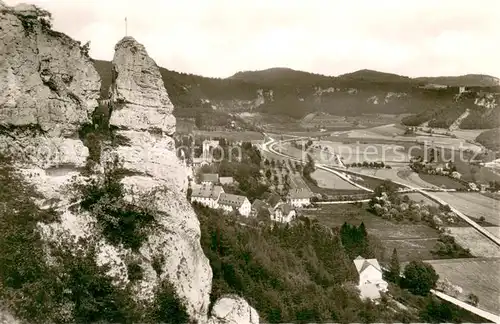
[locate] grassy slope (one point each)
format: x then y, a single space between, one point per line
490 139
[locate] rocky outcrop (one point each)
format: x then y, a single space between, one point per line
45 79
232 309
48 91
263 96
142 112
139 96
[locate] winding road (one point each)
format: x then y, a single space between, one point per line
270 143
268 146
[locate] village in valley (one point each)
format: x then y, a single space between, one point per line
406 199
218 192
133 190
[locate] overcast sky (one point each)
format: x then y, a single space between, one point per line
220 37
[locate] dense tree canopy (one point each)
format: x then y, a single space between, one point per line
420 277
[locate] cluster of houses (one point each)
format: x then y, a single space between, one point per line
210 193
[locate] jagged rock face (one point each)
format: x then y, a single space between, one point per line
47 82
141 101
142 110
45 79
232 309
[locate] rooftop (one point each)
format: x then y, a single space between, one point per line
300 194
286 208
231 200
207 192
259 204
224 180
210 177
273 199
362 263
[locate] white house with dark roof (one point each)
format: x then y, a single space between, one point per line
230 202
209 179
371 282
299 197
207 195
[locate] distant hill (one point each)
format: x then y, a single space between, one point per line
280 76
375 76
470 80
292 93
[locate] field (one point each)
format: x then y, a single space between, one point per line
395 133
441 181
476 173
412 178
367 182
384 131
403 175
324 120
479 245
477 276
298 182
329 180
412 241
232 136
421 199
361 151
473 204
467 134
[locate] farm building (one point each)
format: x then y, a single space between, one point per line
299 197
209 178
230 202
370 278
207 195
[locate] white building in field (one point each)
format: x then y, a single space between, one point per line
299 197
230 202
371 282
207 195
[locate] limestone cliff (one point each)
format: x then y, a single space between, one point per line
46 77
139 96
48 91
142 112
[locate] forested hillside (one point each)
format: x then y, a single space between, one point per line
291 93
275 267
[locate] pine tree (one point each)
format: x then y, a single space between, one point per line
394 267
362 230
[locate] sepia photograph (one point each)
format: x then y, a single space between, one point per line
251 161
